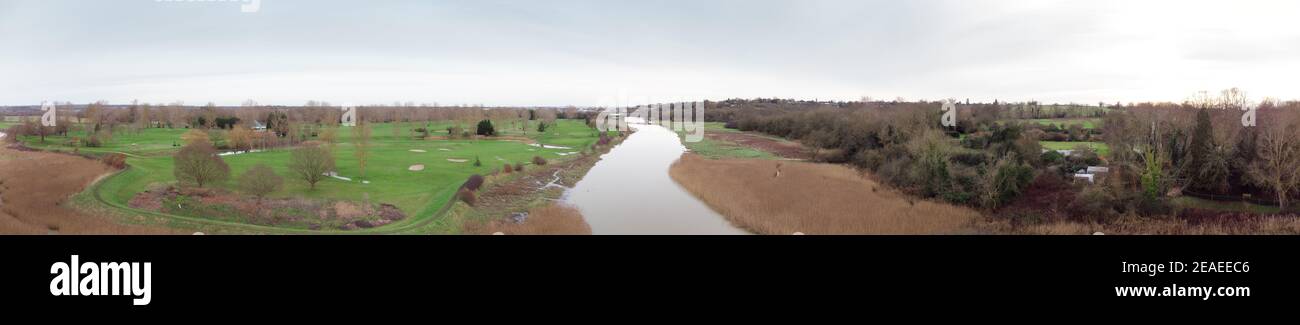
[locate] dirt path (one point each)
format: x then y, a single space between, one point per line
34 187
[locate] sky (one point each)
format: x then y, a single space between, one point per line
558 52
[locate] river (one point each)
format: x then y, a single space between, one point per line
629 191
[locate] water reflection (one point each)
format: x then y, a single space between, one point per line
629 191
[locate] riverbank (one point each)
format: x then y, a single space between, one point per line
529 203
630 192
785 197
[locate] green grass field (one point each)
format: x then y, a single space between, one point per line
716 149
1086 123
1101 148
418 194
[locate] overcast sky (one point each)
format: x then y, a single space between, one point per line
586 52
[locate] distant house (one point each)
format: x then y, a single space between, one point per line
1091 173
258 126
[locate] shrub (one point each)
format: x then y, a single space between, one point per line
1153 206
970 157
467 196
541 127
260 181
93 142
538 160
507 169
1052 157
869 159
1094 203
485 128
473 183
477 162
1011 180
115 160
519 167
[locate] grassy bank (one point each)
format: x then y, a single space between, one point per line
508 194
720 142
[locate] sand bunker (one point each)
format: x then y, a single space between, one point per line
416 168
459 161
548 147
444 149
417 150
232 153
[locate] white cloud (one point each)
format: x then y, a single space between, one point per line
577 52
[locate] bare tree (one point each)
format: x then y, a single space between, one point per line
361 140
1279 156
241 138
311 160
199 163
260 181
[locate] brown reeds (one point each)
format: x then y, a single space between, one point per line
547 220
785 197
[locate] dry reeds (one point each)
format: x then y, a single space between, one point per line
1272 225
811 198
547 220
34 186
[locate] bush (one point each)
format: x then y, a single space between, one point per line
538 160
115 160
970 158
485 128
1011 181
519 167
260 181
473 183
1095 203
467 196
507 169
1052 157
1149 206
93 142
477 162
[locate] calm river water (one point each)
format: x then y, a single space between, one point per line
629 191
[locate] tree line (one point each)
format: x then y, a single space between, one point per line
993 161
